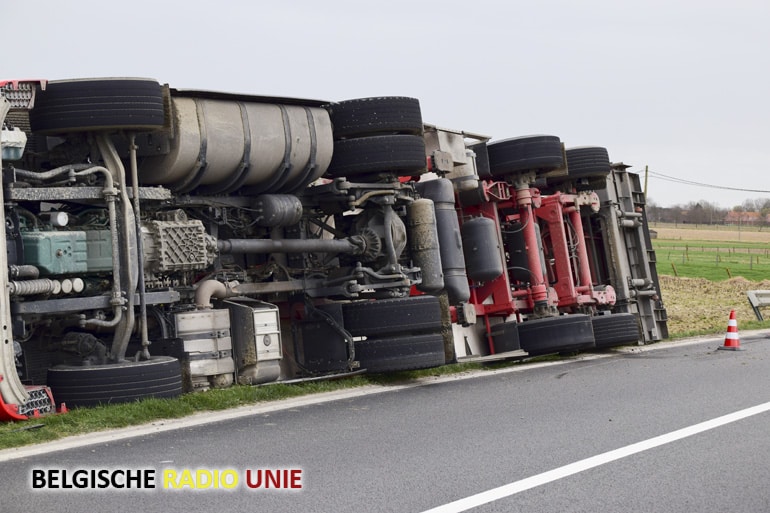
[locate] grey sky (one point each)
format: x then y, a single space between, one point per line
679 85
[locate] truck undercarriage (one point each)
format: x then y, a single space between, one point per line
161 241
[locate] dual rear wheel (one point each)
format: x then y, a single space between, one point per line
401 334
374 136
567 333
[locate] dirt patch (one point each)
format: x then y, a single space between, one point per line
697 303
723 233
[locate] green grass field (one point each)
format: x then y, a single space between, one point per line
705 272
713 260
715 253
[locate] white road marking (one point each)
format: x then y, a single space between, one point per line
594 461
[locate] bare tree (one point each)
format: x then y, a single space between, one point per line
704 212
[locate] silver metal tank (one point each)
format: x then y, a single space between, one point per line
224 145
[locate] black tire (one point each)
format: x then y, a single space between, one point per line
587 168
400 154
616 329
98 104
562 334
505 337
539 153
375 116
161 376
401 353
384 317
588 162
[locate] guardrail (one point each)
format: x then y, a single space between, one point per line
758 299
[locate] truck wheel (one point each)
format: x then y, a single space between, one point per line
376 116
402 154
386 317
98 104
160 376
588 167
548 335
539 153
615 330
402 353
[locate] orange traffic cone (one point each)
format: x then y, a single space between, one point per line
732 341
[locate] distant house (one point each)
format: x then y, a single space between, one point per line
744 218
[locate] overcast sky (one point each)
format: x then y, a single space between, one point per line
681 86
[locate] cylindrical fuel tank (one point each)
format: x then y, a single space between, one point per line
481 248
441 192
424 245
225 145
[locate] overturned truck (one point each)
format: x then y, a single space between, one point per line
161 241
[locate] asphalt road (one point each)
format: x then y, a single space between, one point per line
426 446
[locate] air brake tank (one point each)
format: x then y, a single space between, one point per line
424 244
441 192
482 249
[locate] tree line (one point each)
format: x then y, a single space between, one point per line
751 211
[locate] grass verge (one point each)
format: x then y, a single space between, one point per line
87 420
